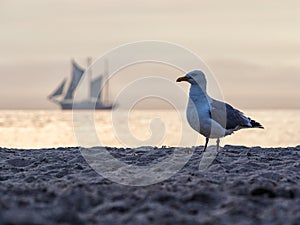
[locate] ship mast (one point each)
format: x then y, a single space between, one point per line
106 101
89 62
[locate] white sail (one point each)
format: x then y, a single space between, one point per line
76 77
59 90
95 88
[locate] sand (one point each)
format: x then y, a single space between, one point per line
242 186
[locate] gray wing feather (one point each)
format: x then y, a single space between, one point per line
227 116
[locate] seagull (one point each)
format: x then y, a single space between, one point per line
209 117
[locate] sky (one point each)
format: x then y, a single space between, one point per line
253 47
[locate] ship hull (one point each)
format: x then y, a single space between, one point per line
87 105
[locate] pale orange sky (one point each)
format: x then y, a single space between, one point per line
253 47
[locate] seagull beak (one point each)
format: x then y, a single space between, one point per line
182 79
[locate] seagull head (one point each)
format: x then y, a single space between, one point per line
195 77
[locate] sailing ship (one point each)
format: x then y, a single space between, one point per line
63 95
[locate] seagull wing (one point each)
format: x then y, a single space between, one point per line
227 116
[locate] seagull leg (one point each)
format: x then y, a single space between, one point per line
218 144
206 142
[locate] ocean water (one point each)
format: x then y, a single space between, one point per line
54 128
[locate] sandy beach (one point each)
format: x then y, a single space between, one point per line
242 186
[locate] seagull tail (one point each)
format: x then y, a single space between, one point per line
255 124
